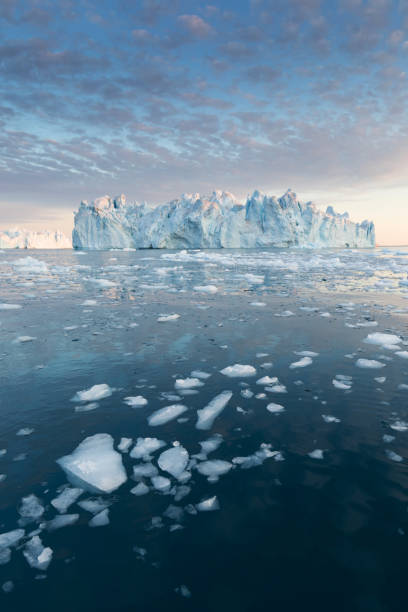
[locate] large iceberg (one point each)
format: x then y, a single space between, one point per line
26 239
216 221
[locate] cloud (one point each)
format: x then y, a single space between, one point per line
195 25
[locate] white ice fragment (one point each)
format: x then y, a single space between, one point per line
140 489
266 380
174 461
145 446
95 465
239 371
380 379
37 556
97 392
11 538
101 519
164 415
136 401
187 383
316 454
161 483
214 468
170 317
86 407
328 418
279 388
125 444
208 505
302 363
8 586
200 374
24 431
207 415
94 505
183 590
340 385
103 283
389 340
306 353
144 470
211 289
402 354
23 339
10 306
399 426
31 509
393 456
370 364
257 458
275 408
66 498
62 520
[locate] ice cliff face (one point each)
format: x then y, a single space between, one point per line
217 221
26 239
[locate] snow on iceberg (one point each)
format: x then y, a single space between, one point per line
26 239
215 221
95 465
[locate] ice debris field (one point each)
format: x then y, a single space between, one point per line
144 392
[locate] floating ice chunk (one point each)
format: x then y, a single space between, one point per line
87 407
306 353
170 317
101 519
37 556
103 283
10 306
174 461
384 340
125 444
140 489
316 454
326 315
257 458
174 513
8 586
89 303
24 431
258 304
208 446
393 456
66 498
200 374
5 555
23 339
380 379
188 383
239 371
94 505
164 415
214 468
403 354
275 408
388 439
211 289
183 590
11 538
276 389
328 418
145 446
285 313
97 392
371 364
207 415
399 426
62 520
95 465
266 380
302 363
136 401
247 393
181 492
144 470
340 384
208 505
161 483
31 510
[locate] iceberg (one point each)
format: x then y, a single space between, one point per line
26 239
215 221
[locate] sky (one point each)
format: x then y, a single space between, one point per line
154 98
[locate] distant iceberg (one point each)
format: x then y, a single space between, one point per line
26 239
216 221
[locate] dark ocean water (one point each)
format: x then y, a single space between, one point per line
294 533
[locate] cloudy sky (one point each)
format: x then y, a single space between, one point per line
154 98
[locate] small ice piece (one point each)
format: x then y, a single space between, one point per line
10 306
100 520
97 392
200 374
276 389
24 431
340 385
140 489
62 520
328 418
380 379
94 465
31 510
239 371
87 407
316 454
369 364
136 401
388 439
23 339
399 426
37 556
181 492
214 468
393 456
208 505
266 380
211 289
11 538
170 317
164 415
384 340
209 446
66 498
174 460
275 408
3 477
402 354
145 446
125 444
207 415
183 590
94 505
306 353
5 555
302 363
8 586
144 470
188 383
175 513
258 304
257 458
247 393
285 313
89 303
161 483
103 283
